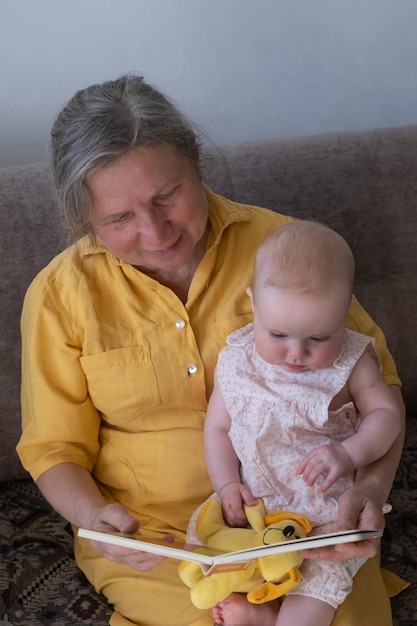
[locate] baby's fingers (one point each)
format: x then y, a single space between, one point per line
312 472
328 481
309 460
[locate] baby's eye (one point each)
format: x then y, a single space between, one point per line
319 339
277 335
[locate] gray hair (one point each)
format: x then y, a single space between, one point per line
102 123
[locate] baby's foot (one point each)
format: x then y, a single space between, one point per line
236 610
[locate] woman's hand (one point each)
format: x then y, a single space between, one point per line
114 517
358 508
73 493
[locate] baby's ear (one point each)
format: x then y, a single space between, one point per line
250 294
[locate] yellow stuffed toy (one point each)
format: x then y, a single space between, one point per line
265 578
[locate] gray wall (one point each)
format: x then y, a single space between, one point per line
242 69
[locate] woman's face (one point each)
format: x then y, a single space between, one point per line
149 209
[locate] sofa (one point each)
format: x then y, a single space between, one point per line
362 184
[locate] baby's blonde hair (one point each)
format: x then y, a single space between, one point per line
304 257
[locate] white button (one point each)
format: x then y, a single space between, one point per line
180 324
191 369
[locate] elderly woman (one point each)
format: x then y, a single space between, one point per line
121 333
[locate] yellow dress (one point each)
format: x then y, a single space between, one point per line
116 375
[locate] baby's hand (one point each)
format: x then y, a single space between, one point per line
233 496
331 461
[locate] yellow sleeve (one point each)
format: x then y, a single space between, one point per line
359 320
59 423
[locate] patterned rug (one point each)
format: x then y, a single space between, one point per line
40 583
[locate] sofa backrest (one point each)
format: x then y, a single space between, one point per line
30 235
362 184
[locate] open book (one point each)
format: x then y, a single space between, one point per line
214 560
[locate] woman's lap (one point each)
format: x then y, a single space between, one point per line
159 597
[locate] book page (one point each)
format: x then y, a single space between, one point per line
208 557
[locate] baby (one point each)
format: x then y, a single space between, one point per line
298 404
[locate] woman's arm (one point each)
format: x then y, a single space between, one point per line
359 320
72 492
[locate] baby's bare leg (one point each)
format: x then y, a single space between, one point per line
305 611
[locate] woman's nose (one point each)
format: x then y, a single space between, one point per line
152 227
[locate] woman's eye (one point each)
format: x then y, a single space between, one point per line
166 196
121 218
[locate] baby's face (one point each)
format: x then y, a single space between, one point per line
299 331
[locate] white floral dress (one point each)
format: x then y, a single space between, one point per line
276 417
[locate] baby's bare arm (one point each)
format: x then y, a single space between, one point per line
381 417
222 462
381 423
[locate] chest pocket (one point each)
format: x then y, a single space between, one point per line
121 383
225 327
